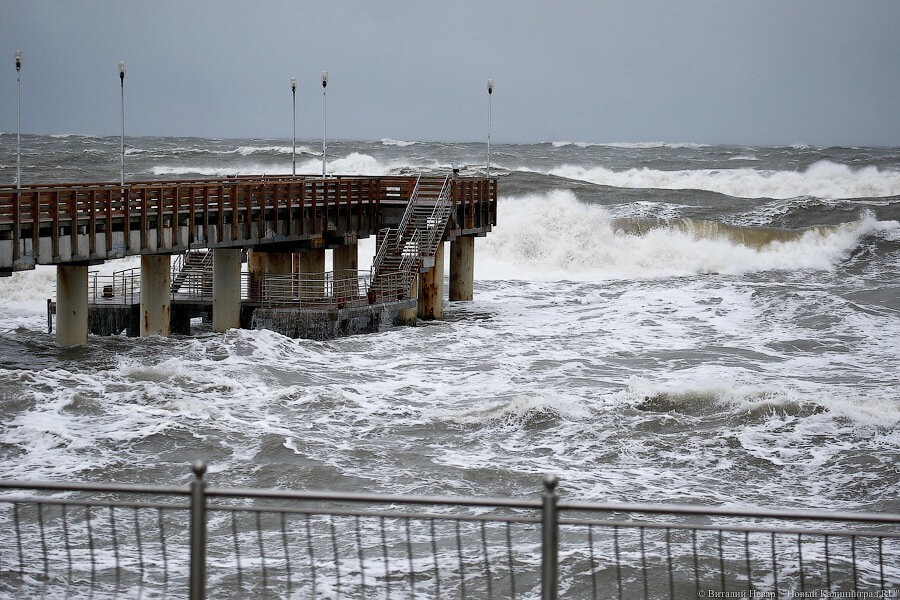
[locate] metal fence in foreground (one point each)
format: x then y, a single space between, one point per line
111 540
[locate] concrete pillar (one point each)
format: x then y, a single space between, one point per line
156 277
408 316
312 273
431 288
226 289
277 263
71 305
462 269
346 270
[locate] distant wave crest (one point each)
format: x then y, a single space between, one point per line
823 179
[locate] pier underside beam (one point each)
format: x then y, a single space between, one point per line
226 289
156 299
431 288
71 305
462 269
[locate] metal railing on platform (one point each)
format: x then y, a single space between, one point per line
332 289
162 541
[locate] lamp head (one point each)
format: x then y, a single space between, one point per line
324 78
121 69
490 86
18 60
293 84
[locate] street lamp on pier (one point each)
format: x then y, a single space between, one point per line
324 126
122 146
294 125
490 86
18 120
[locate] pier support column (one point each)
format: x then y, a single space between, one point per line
71 305
431 288
407 316
276 263
156 299
312 273
346 270
226 289
462 269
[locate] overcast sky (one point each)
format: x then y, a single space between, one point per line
772 72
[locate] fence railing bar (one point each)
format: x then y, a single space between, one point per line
376 514
881 562
160 522
593 564
746 558
43 541
18 537
115 544
64 517
462 568
800 561
644 574
437 574
409 558
262 553
696 563
140 546
618 558
350 498
774 564
384 554
87 518
361 558
669 563
287 554
721 562
717 511
312 558
509 558
487 561
874 533
853 558
337 557
827 565
61 486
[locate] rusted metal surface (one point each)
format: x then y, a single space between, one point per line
81 222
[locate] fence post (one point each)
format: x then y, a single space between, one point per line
549 538
198 532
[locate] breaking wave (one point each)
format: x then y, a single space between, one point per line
823 179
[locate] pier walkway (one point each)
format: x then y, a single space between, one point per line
284 223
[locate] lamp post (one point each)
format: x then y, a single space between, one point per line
122 146
324 127
294 125
18 120
490 85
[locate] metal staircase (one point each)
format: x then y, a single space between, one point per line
192 270
411 247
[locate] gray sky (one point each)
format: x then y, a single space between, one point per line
766 72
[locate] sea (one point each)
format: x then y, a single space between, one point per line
652 322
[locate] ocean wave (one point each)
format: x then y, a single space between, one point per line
553 236
823 179
398 143
630 145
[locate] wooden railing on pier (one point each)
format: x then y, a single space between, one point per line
78 222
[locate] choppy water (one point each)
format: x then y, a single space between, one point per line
652 322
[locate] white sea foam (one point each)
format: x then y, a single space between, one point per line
553 236
354 163
824 179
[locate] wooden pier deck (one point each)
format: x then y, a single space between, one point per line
84 223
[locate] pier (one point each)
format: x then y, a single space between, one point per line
281 226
